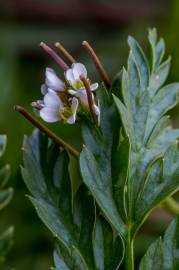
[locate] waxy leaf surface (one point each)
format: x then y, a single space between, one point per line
70 217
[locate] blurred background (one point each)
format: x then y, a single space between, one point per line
106 25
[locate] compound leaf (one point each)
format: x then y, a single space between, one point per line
143 108
70 217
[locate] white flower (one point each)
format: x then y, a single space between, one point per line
73 75
81 94
61 101
54 110
52 81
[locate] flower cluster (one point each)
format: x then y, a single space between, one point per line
64 99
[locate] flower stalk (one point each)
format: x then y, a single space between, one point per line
83 79
54 55
65 52
89 96
98 64
47 131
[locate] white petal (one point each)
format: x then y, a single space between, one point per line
74 105
44 89
52 100
97 112
94 86
81 90
72 92
53 81
49 115
79 70
83 97
72 118
69 76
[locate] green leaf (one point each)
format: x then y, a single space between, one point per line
120 160
116 85
108 250
142 108
4 175
60 258
141 61
5 197
163 254
162 181
101 191
171 246
70 217
159 76
6 242
153 258
157 48
52 197
33 177
97 161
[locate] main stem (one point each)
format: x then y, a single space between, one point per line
129 259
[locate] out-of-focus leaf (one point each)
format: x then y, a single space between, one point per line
6 242
4 175
5 197
6 238
3 141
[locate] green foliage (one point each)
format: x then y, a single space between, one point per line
98 167
143 113
5 197
80 235
147 157
129 165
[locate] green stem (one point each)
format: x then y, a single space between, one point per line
129 260
171 206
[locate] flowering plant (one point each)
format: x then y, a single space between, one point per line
129 162
63 100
